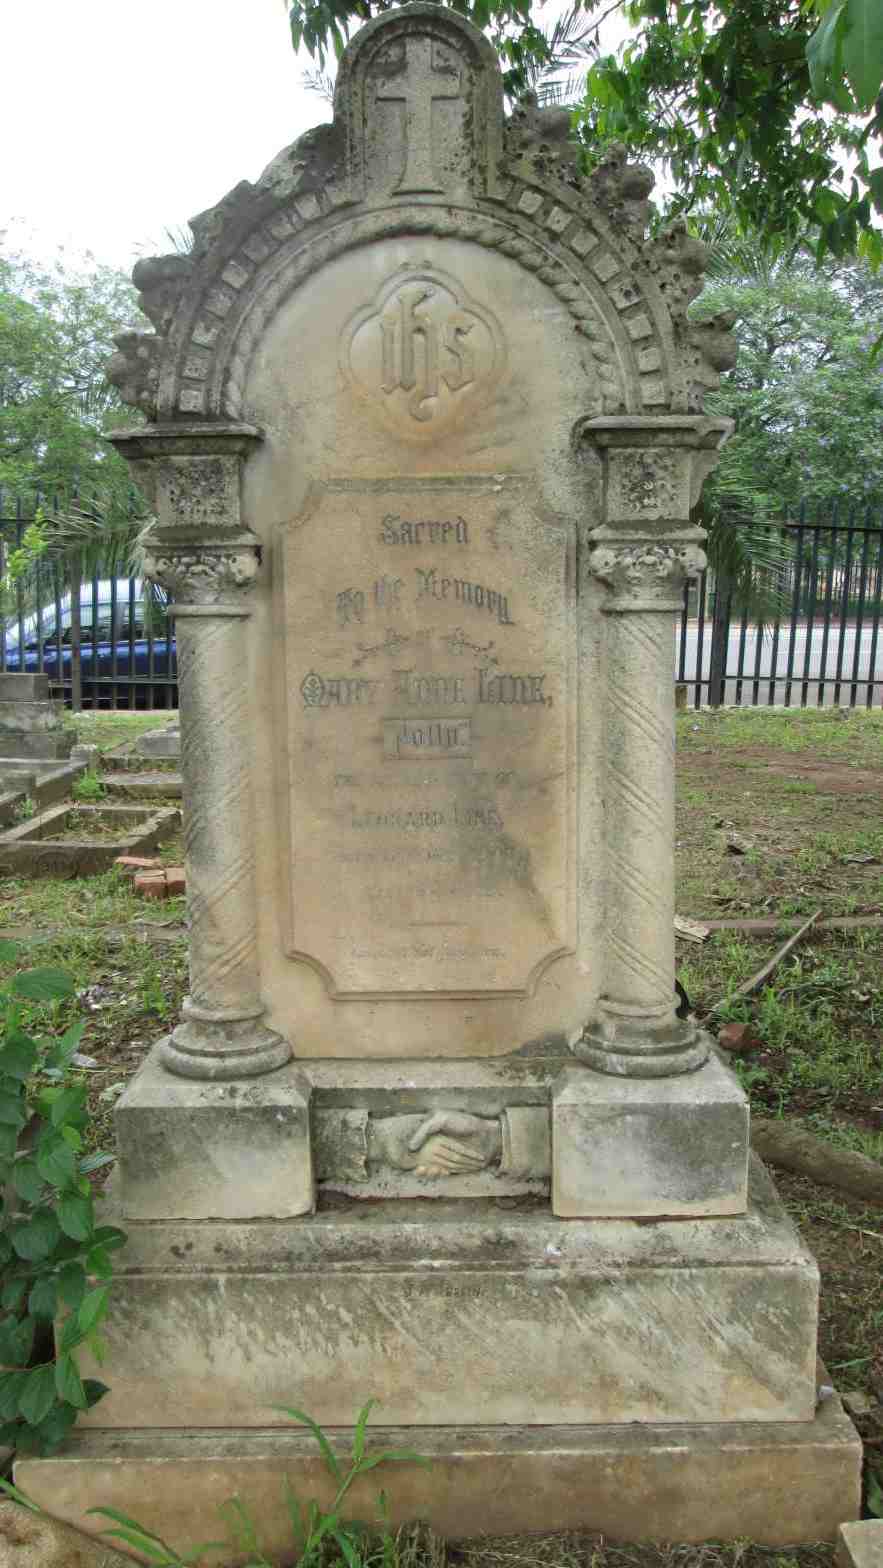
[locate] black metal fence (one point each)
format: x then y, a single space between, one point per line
819 642
104 640
105 643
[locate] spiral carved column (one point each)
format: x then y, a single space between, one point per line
643 552
200 552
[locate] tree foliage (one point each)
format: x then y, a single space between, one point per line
56 336
765 109
806 393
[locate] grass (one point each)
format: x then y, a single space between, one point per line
834 732
801 792
97 727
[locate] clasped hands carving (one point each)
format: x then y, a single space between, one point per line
445 1143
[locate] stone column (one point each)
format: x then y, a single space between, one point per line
610 1141
201 554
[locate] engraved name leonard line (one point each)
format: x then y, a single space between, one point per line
386 594
347 691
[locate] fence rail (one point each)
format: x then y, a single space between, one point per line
822 647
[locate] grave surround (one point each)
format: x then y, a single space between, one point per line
425 432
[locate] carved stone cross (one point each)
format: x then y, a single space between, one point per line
418 88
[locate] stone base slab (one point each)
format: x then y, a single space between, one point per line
649 1146
454 1312
777 1484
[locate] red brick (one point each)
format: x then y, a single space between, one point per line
738 1038
130 864
176 881
151 884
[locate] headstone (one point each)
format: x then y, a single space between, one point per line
31 726
425 435
162 744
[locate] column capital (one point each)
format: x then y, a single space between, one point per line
197 547
646 572
210 575
653 469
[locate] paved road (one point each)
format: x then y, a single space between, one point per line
840 652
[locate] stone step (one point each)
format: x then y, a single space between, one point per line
142 786
780 1484
449 1311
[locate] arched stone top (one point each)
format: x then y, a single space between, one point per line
419 146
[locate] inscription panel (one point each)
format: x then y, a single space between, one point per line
428 673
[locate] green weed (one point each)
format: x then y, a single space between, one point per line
322 1537
88 787
24 809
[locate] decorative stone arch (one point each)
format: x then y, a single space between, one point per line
512 186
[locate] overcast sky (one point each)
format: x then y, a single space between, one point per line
124 117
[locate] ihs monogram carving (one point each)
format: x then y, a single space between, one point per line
422 352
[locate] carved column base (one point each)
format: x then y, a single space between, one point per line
625 1041
217 1045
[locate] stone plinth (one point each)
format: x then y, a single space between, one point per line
191 1149
778 1484
458 1312
650 1146
30 725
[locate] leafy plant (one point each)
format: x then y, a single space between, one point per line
88 787
25 809
56 1262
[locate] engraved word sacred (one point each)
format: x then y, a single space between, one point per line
422 351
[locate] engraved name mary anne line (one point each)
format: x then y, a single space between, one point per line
486 686
422 349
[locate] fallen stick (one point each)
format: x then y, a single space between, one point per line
754 983
786 923
794 1149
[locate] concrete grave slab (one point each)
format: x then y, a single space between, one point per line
31 849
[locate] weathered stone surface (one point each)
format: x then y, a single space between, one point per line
633 1146
143 786
29 1540
777 1484
165 743
195 1150
859 1544
451 1312
31 725
23 688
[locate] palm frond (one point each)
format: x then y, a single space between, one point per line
319 82
571 47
